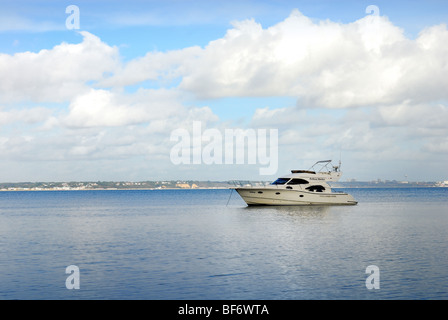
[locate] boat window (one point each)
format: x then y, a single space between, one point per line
298 181
280 181
316 188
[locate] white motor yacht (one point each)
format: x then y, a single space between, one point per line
301 187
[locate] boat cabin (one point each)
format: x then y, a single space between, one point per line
289 182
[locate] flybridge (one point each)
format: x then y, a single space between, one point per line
325 165
321 171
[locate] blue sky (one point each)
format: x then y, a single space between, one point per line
173 24
100 102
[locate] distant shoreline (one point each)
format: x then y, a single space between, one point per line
193 185
209 188
111 189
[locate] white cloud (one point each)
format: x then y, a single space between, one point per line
406 114
323 64
99 108
158 66
103 108
387 93
29 116
394 134
438 147
57 74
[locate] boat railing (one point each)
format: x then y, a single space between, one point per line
325 166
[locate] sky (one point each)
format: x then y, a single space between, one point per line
97 94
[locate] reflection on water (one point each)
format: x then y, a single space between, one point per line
293 211
189 244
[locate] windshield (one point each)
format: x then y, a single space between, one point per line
280 181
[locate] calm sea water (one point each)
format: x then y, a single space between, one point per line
187 244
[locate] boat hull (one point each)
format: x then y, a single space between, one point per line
286 197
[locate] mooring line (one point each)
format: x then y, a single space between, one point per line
229 196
